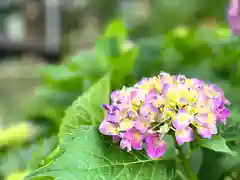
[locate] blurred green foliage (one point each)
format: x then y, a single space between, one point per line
211 54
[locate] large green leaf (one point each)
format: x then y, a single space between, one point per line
216 164
87 108
88 155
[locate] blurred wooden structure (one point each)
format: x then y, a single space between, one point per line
42 25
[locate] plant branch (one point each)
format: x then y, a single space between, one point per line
185 162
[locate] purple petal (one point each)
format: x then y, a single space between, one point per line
165 88
201 119
113 117
204 132
197 83
142 124
182 120
126 124
148 110
108 128
234 16
137 96
155 146
185 135
222 115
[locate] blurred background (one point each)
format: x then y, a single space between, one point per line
51 51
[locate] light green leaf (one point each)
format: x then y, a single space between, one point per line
106 50
88 155
216 143
87 110
57 98
116 28
125 62
86 64
62 78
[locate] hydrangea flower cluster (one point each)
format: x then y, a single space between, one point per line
141 115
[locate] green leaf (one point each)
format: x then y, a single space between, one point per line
55 97
125 62
88 155
116 28
106 50
231 131
196 160
86 64
216 143
87 110
171 148
62 78
216 164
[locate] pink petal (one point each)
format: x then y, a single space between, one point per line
204 132
155 146
135 138
142 124
185 135
182 120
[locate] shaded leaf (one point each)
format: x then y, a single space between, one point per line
231 131
171 148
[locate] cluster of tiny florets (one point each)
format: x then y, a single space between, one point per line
153 107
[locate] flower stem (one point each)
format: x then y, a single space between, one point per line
191 174
185 162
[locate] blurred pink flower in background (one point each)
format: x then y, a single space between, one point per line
234 16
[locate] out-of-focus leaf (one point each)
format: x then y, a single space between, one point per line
26 157
231 131
18 134
117 29
86 64
148 60
125 62
17 175
62 78
215 165
57 98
